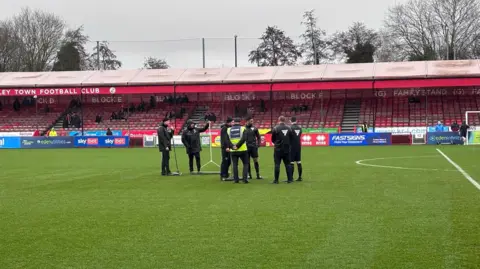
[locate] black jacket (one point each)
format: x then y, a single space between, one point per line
224 140
282 137
191 139
253 136
164 138
297 135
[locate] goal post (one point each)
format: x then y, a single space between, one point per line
472 119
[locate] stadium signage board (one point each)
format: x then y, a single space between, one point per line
10 134
85 91
314 139
444 138
46 142
138 133
9 142
95 133
101 141
398 130
363 139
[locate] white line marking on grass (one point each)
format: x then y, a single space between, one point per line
361 162
465 174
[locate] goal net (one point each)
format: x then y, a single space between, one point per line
472 119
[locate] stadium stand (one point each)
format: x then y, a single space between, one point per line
29 117
334 95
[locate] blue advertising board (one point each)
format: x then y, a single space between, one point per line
360 139
433 129
101 141
9 142
41 142
94 133
444 138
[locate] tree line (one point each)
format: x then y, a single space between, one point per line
35 40
417 30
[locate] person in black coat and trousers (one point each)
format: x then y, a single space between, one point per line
165 135
224 141
191 141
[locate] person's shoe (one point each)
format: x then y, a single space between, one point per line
259 177
289 181
299 179
236 182
249 177
275 182
164 174
246 181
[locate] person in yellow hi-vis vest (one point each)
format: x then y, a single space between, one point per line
52 133
237 137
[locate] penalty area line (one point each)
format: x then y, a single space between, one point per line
460 169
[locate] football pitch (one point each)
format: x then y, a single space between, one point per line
359 207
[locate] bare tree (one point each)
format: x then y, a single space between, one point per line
155 63
38 35
315 45
436 29
10 59
389 50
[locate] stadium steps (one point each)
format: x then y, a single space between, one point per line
198 116
351 115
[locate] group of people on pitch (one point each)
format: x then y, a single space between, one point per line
241 143
238 143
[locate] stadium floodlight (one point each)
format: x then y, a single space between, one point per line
472 118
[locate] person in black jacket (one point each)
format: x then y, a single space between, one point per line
253 143
165 135
296 148
463 132
282 137
191 141
224 143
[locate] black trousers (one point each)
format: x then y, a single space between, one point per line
243 156
280 156
195 155
165 162
225 165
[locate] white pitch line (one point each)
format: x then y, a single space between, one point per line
361 162
465 174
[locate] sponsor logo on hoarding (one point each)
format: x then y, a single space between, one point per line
360 139
444 138
109 141
120 141
10 142
348 138
306 140
321 140
92 141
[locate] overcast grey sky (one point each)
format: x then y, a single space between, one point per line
216 20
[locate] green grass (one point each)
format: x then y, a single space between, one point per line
109 208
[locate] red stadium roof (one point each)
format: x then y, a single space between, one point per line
284 78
